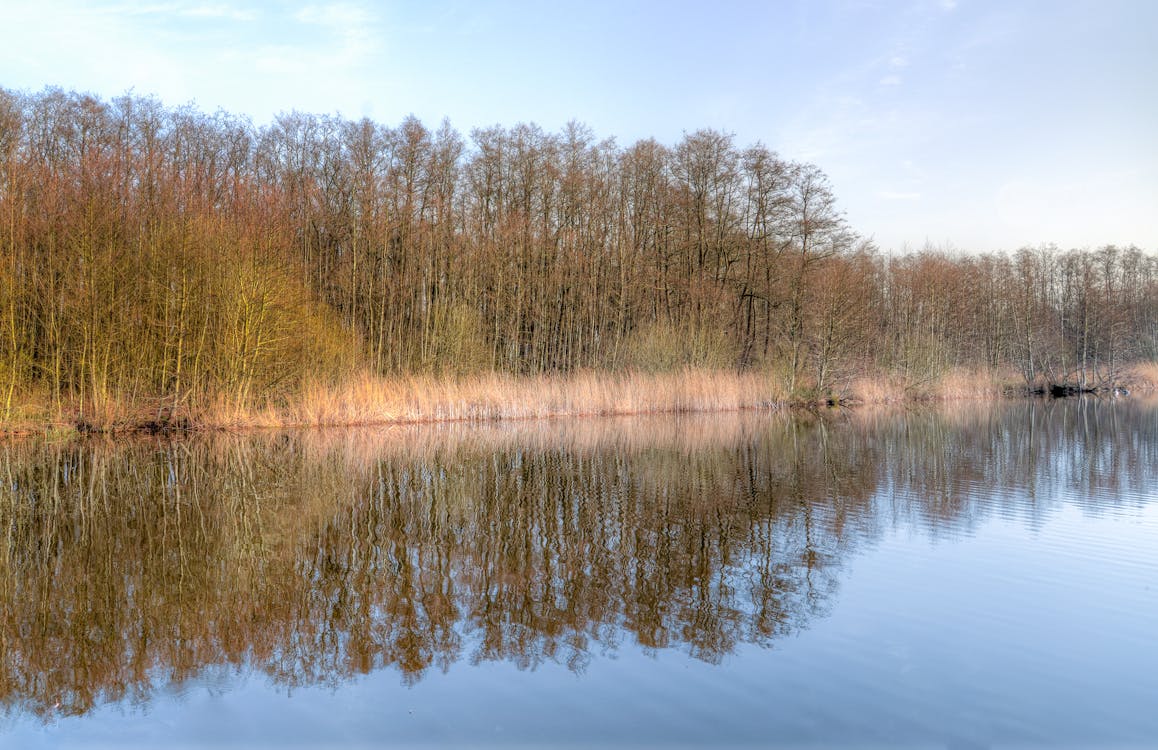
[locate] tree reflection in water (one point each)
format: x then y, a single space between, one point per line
316 556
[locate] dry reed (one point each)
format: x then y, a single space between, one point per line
371 400
1142 376
959 384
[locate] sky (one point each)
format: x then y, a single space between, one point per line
967 125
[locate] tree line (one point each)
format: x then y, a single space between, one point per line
154 252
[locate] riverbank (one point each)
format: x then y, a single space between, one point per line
369 400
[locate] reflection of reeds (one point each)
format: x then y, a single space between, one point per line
629 435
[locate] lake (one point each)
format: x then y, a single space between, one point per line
966 576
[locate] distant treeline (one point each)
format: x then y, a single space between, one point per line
150 252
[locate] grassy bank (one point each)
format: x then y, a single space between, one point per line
369 400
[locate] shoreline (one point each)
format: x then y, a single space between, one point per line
370 401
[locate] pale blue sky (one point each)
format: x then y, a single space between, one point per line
966 123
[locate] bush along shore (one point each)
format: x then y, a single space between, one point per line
163 268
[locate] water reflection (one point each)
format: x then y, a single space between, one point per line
314 557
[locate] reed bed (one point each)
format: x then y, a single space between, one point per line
1142 376
959 384
367 399
371 400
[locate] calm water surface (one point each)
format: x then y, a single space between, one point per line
964 578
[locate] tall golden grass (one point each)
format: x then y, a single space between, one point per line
1142 376
371 400
961 384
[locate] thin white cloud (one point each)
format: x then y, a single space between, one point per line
342 15
218 10
890 80
311 57
132 9
223 11
323 48
350 26
111 47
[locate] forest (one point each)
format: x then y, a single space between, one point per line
167 260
